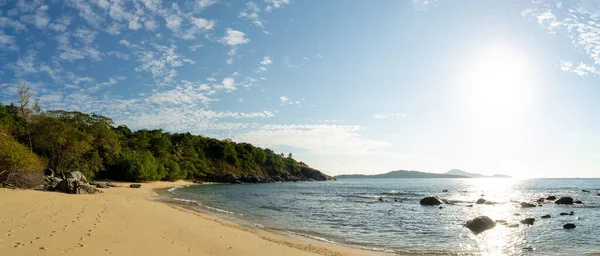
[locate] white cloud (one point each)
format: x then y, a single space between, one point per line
25 64
173 22
61 24
16 25
8 42
211 79
317 139
193 48
234 37
203 24
423 5
284 99
389 115
251 12
229 61
275 4
118 55
229 84
266 61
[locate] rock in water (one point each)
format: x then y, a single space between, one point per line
569 226
541 200
551 198
444 191
528 221
480 224
564 213
578 202
587 191
135 185
87 189
431 201
513 225
546 216
527 205
564 200
480 201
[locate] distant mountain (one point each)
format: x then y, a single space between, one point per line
474 175
400 174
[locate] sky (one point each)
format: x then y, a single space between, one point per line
346 86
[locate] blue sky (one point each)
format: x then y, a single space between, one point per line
346 86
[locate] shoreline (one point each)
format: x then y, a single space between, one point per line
167 196
126 221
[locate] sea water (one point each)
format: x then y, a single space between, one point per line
385 214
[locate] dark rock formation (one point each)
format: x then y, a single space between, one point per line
569 226
480 224
101 185
431 201
77 175
444 191
87 189
528 221
551 198
527 205
541 200
564 200
578 202
546 216
111 185
135 185
480 201
564 214
587 191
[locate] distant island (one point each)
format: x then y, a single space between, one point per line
404 174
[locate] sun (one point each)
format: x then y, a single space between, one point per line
498 81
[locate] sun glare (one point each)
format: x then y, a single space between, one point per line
498 81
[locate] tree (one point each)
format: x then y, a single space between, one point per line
60 142
18 165
25 95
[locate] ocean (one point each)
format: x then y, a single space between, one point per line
385 215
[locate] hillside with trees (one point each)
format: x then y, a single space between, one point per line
65 141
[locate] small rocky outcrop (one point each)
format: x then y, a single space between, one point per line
564 200
541 200
445 191
480 201
564 214
135 185
480 224
569 226
578 202
551 198
586 191
101 185
527 205
547 216
431 201
87 189
72 183
528 221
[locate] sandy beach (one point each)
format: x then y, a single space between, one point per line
127 221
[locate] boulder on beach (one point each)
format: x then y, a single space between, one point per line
527 205
480 224
431 200
546 216
111 185
87 189
564 200
551 198
101 185
480 201
135 185
77 175
569 226
528 221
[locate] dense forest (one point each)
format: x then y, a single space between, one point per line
32 139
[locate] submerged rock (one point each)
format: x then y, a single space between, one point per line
431 201
564 200
578 202
515 225
501 222
444 191
541 200
546 216
587 191
551 198
527 205
564 214
480 201
528 221
569 226
480 224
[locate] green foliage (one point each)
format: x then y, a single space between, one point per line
18 165
90 143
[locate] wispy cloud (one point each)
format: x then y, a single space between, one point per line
389 115
423 5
